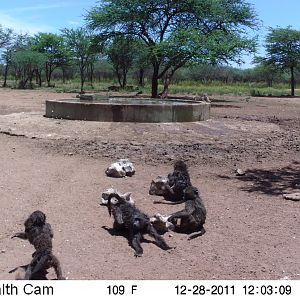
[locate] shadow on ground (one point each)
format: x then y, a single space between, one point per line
271 182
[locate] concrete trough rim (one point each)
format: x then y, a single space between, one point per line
142 112
94 102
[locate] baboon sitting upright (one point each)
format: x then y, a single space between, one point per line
178 181
39 234
193 216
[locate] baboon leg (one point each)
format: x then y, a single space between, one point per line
57 267
136 244
28 272
20 235
158 238
196 234
37 264
178 215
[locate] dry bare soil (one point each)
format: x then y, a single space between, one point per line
57 166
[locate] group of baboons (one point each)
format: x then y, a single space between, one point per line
128 219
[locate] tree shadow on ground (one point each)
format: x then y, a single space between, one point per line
272 182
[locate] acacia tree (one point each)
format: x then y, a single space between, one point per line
5 36
178 32
15 42
25 63
121 54
283 51
82 49
53 47
6 42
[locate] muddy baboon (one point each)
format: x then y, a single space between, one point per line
134 222
172 187
193 216
39 234
178 181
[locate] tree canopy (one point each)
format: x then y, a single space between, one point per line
53 47
81 45
283 51
6 35
178 32
121 54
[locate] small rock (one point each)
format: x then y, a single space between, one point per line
240 172
70 153
293 196
3 251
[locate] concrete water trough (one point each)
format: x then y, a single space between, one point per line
123 109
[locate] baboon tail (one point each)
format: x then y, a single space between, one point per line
15 269
196 234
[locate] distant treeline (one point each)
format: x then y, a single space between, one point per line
103 71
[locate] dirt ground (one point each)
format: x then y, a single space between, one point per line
57 166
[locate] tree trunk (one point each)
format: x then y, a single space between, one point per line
167 80
5 75
154 91
292 82
141 77
81 82
63 75
124 78
91 74
82 78
40 78
119 79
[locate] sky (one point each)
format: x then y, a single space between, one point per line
35 16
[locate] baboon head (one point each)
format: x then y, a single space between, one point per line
191 193
104 197
37 218
158 186
180 166
116 199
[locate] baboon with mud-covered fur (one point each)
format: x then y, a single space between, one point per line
178 181
39 234
193 216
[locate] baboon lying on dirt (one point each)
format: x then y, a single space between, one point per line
134 222
193 216
39 234
172 188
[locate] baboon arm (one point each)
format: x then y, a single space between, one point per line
169 190
183 213
20 235
48 229
118 216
